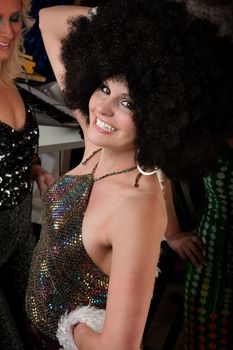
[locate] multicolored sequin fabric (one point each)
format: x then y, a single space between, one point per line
16 151
209 290
62 274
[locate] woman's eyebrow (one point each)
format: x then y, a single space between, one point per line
16 13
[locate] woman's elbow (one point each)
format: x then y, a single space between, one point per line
43 14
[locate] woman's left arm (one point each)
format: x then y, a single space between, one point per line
135 238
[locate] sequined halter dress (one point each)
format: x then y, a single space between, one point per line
62 274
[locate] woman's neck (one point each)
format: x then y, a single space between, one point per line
114 160
6 83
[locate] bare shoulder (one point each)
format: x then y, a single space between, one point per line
141 214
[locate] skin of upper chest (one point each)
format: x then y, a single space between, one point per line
12 107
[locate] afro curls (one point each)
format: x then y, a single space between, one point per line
179 74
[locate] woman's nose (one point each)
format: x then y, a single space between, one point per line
106 108
6 30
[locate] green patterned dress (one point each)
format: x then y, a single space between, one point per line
208 305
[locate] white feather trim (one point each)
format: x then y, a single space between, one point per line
90 315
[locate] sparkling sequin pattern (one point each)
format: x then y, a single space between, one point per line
62 274
16 151
208 299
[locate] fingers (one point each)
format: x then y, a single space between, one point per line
199 250
194 259
49 180
195 252
198 242
44 181
189 247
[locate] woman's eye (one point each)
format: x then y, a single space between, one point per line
105 89
15 18
128 104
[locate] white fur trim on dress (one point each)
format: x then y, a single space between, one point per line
90 315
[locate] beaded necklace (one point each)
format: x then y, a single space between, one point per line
127 170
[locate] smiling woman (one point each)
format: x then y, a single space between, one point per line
19 165
137 74
12 18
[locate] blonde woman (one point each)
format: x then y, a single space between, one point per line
18 166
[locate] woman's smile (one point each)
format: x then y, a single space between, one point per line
105 126
4 45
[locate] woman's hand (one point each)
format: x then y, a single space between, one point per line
188 246
42 177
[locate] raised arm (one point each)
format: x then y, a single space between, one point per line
54 26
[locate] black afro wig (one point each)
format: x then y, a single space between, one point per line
179 73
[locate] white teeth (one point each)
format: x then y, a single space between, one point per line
4 44
104 126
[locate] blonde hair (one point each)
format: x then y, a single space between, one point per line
11 68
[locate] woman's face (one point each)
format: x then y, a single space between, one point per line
111 116
10 26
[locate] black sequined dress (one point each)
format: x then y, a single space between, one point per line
16 152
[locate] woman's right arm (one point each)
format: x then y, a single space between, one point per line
54 27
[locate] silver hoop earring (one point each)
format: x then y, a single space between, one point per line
146 173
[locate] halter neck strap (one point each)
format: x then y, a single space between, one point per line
127 170
91 156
